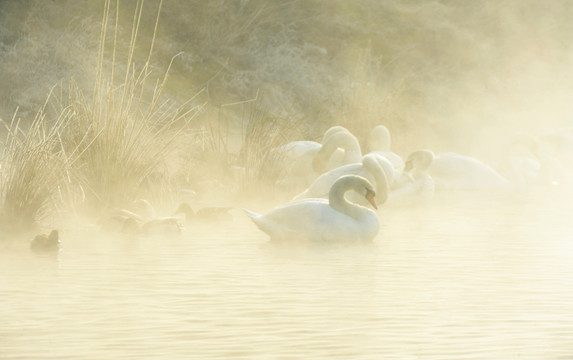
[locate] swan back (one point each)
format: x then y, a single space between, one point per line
452 170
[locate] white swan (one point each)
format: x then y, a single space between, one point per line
456 171
305 148
376 169
300 156
332 220
415 185
379 142
340 139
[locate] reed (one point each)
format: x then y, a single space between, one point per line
124 134
34 166
261 156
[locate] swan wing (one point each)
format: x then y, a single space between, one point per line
315 220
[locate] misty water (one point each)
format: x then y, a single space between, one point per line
475 276
194 95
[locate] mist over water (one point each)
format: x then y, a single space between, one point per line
452 280
469 274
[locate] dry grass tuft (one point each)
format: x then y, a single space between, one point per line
34 167
260 155
124 135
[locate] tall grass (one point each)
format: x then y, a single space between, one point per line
124 134
34 166
262 154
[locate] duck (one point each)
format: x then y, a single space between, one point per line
379 142
144 208
46 243
213 213
377 169
141 210
415 185
142 221
166 226
334 220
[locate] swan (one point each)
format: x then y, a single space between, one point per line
300 156
379 141
332 220
415 185
340 139
456 171
46 243
376 169
306 148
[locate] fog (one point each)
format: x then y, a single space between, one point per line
425 70
124 110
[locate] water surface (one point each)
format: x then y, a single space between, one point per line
480 278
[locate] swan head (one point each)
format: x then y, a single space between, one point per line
419 160
331 131
370 194
379 139
352 182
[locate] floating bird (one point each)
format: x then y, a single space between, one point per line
332 220
213 213
306 160
374 168
415 185
46 243
456 171
167 226
379 142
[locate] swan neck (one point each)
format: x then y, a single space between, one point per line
338 201
341 139
382 186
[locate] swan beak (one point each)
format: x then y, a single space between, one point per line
370 197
